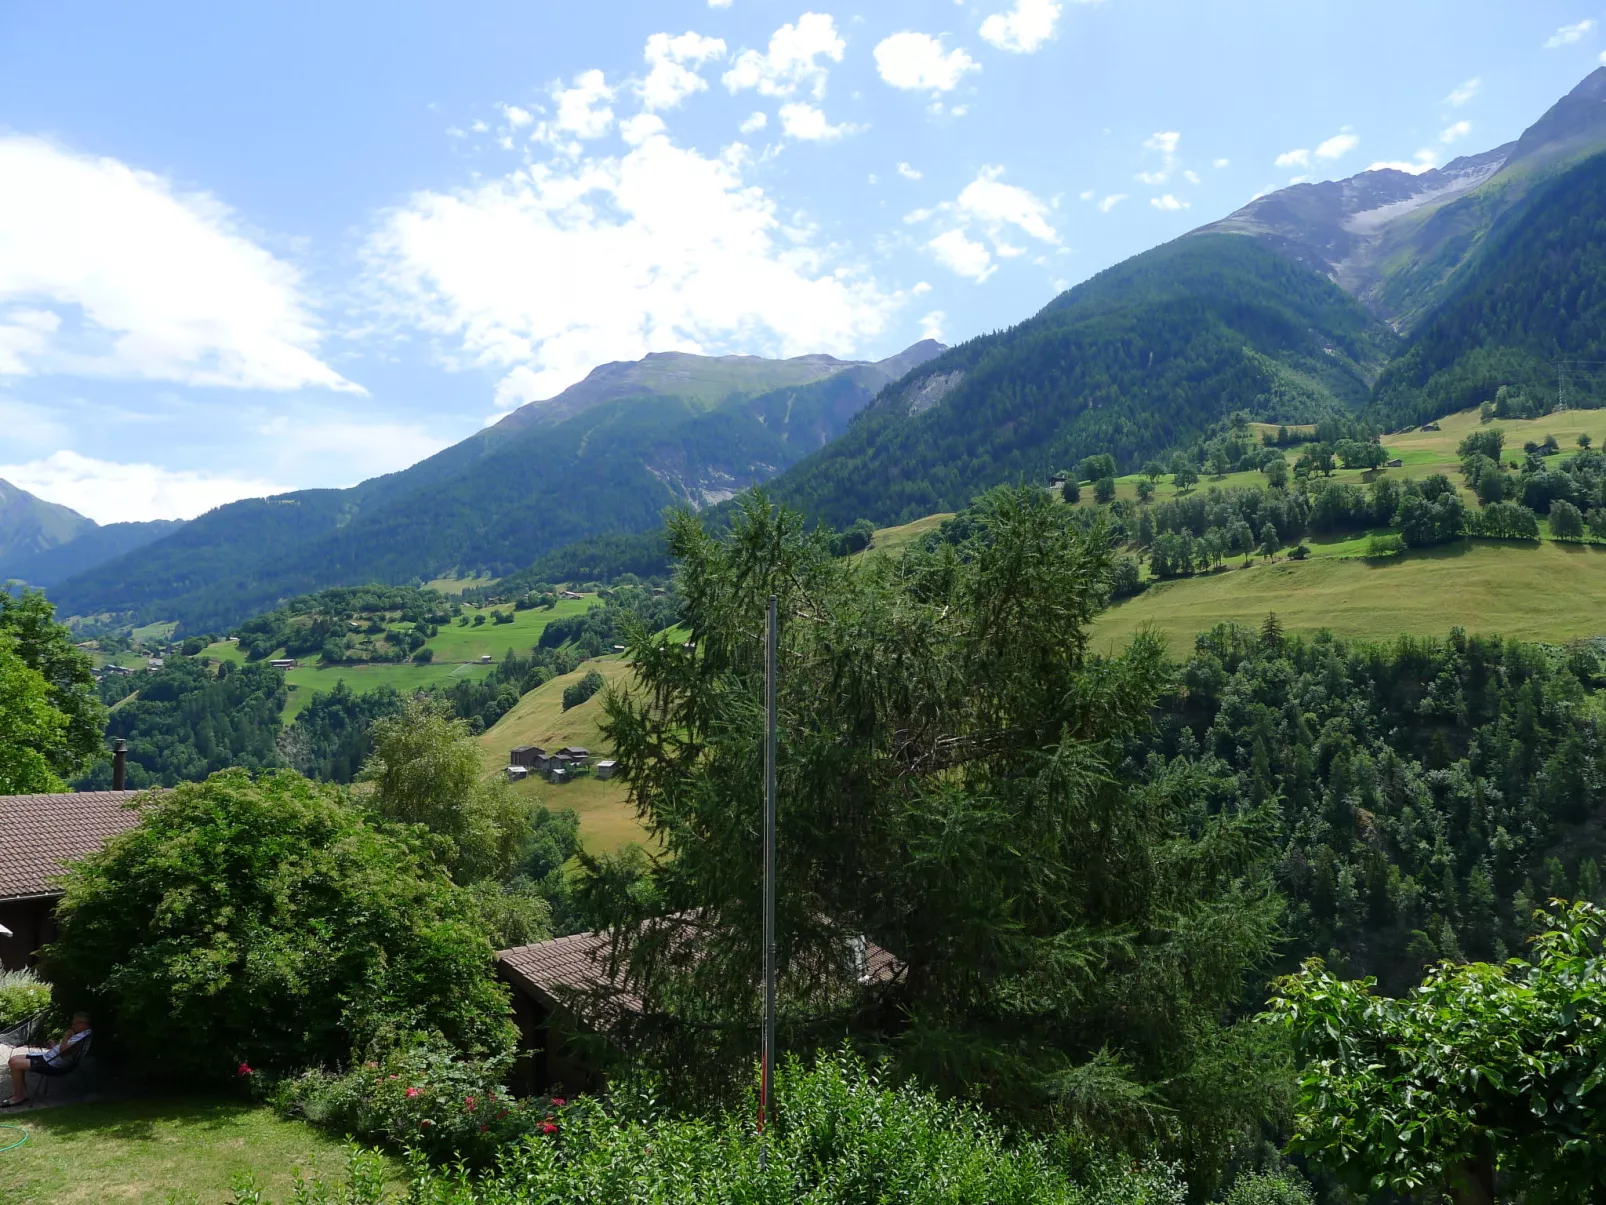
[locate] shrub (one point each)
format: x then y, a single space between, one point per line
1270 1188
578 692
840 1136
422 1097
271 923
1385 544
22 994
1298 552
424 656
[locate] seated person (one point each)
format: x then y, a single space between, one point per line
58 1060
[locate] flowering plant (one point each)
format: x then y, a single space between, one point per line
423 1097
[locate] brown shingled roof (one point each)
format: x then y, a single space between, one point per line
565 968
38 833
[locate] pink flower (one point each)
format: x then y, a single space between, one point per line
548 1128
412 1092
558 1100
245 1069
468 1102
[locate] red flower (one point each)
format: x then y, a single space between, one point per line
558 1100
548 1128
425 1122
411 1092
245 1069
483 1128
468 1101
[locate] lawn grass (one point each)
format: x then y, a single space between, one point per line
896 539
456 643
607 821
456 585
1550 591
308 681
156 1150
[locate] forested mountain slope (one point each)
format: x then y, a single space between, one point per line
495 502
43 542
1142 358
30 525
1535 295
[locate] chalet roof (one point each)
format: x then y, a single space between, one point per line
39 833
564 966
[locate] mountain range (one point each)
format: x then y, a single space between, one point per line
607 455
1396 295
42 543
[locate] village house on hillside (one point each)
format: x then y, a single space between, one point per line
42 834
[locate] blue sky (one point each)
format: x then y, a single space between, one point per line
251 248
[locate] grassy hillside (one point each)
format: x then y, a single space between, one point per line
606 819
1552 592
457 650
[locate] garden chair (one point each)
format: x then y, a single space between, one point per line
33 1031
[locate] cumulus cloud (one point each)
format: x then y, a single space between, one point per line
993 209
996 205
1111 201
1295 158
719 3
1456 132
804 122
755 123
1223 163
546 273
108 271
1337 146
1024 28
793 63
1464 93
910 173
1164 143
584 111
1192 177
918 62
1168 202
672 64
111 492
1426 160
1569 34
962 255
931 326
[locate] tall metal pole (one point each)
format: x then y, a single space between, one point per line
767 1065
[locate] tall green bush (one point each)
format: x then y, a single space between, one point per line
270 923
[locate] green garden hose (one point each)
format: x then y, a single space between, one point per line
13 1146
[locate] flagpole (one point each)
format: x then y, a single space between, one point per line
767 1064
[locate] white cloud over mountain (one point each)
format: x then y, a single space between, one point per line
110 492
545 273
108 271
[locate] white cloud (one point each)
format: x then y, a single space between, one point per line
546 273
719 3
962 255
109 492
917 61
1337 146
515 116
808 124
931 326
754 123
1296 158
1456 132
1168 202
1192 177
583 110
1223 163
636 130
1569 34
793 61
1464 93
154 284
1426 160
1023 28
1087 194
672 63
910 173
997 205
1111 201
354 450
1165 143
